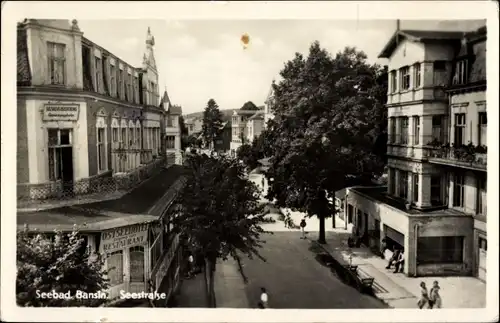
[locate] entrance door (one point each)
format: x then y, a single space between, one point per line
483 246
67 168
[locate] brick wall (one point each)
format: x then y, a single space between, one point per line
92 110
22 143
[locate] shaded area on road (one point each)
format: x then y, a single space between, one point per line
191 293
294 279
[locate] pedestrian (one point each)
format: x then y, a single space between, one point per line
394 257
303 227
263 297
424 296
399 262
434 297
190 263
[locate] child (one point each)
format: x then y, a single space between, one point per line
302 227
424 298
434 297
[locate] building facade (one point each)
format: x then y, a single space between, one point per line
434 206
84 114
268 115
240 126
172 131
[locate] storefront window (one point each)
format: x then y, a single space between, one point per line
115 268
440 250
60 154
137 264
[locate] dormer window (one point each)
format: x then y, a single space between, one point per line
460 76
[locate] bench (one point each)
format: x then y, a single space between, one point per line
363 278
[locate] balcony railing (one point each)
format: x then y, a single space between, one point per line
412 140
468 156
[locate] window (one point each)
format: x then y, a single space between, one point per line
437 128
392 181
394 81
136 90
129 88
403 184
481 195
114 134
170 142
115 267
392 127
169 121
404 130
459 129
137 264
417 75
58 139
120 84
123 137
138 135
458 190
131 136
415 187
405 78
440 250
57 63
416 130
112 80
97 74
483 244
482 129
436 191
460 76
101 149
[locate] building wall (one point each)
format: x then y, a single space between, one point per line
471 104
37 38
407 53
22 159
38 139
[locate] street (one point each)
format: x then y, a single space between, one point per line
294 278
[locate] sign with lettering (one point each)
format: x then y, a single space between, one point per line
124 237
61 112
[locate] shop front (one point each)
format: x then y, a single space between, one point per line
57 148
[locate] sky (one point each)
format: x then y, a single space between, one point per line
202 59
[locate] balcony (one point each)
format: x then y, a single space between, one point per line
409 146
464 156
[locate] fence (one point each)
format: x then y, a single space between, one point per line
104 183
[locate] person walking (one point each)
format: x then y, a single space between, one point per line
434 297
303 228
264 299
424 296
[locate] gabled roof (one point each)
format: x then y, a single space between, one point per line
23 64
418 36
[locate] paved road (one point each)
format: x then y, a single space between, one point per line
295 279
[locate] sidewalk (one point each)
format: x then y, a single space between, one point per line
398 290
229 286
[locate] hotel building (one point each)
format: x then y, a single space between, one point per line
246 125
87 120
434 206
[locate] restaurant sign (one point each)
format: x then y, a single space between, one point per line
60 112
124 237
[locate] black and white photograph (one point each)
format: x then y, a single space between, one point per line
250 163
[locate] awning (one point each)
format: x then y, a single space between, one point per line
394 235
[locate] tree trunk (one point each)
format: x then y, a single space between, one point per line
322 236
209 282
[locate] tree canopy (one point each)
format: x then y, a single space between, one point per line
221 213
212 123
60 263
329 112
250 106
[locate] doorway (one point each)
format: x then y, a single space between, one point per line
483 247
61 158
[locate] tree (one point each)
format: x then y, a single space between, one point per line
220 214
328 111
246 154
249 106
60 263
212 123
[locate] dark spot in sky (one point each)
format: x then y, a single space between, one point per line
245 40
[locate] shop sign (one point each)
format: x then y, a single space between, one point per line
124 237
60 112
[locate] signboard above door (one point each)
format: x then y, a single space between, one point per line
60 112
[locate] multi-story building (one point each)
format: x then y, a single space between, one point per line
240 127
83 113
88 122
255 125
434 207
194 125
172 131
